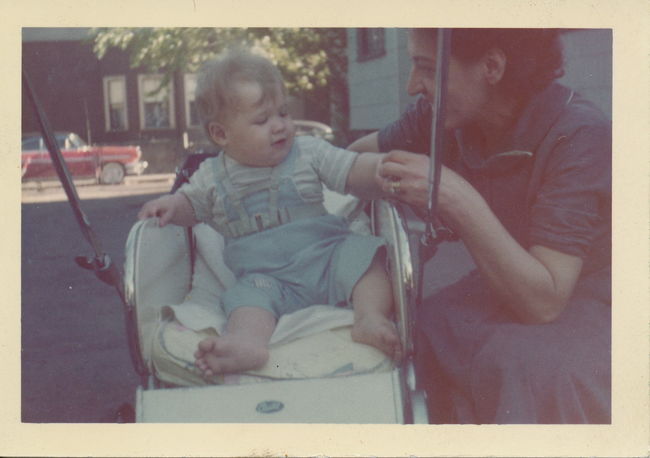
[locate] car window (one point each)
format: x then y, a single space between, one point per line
61 141
65 141
30 144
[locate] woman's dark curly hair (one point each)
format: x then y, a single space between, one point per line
534 56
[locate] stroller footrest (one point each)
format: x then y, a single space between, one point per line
371 398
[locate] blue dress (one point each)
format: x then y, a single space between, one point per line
550 185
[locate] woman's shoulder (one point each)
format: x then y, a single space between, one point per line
585 130
581 112
562 124
580 138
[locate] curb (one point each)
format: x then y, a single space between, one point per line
35 185
149 178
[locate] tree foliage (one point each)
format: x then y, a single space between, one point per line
309 58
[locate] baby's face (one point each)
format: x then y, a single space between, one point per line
260 131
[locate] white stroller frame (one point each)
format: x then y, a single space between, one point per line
391 396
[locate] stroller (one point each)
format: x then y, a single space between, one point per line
316 374
173 278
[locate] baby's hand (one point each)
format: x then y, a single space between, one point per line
163 208
170 209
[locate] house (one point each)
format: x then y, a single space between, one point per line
106 101
378 69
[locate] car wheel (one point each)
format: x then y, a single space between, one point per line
112 173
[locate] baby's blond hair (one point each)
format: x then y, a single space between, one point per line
215 95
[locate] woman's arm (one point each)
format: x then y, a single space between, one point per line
535 284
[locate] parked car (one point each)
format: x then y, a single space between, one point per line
108 164
314 128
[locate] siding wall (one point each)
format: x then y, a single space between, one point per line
376 86
588 65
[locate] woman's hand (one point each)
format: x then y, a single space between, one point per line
405 176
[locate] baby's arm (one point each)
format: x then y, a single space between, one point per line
172 208
362 178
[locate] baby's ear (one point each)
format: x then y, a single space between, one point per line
217 133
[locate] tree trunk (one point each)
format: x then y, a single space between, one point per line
338 85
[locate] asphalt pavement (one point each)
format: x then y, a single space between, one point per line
75 361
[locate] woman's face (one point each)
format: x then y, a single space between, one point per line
467 90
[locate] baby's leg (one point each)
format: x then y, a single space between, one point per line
372 299
243 346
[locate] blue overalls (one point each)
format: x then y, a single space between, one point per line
285 250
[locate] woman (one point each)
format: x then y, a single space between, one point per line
526 184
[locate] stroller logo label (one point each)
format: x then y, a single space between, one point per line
269 406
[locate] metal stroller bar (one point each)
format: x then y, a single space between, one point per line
101 263
433 234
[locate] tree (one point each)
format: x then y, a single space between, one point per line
309 58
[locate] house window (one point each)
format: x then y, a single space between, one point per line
115 111
191 115
370 43
156 102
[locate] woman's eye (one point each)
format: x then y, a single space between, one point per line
261 120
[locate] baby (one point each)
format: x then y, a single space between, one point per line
263 193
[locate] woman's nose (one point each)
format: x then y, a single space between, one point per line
414 84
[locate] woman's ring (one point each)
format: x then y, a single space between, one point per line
394 187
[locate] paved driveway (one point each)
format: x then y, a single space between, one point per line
75 361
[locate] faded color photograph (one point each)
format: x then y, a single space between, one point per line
316 225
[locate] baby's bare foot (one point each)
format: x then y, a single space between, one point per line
377 330
229 354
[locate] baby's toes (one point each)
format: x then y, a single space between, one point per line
207 345
200 363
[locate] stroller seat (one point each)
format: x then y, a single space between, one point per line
175 283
